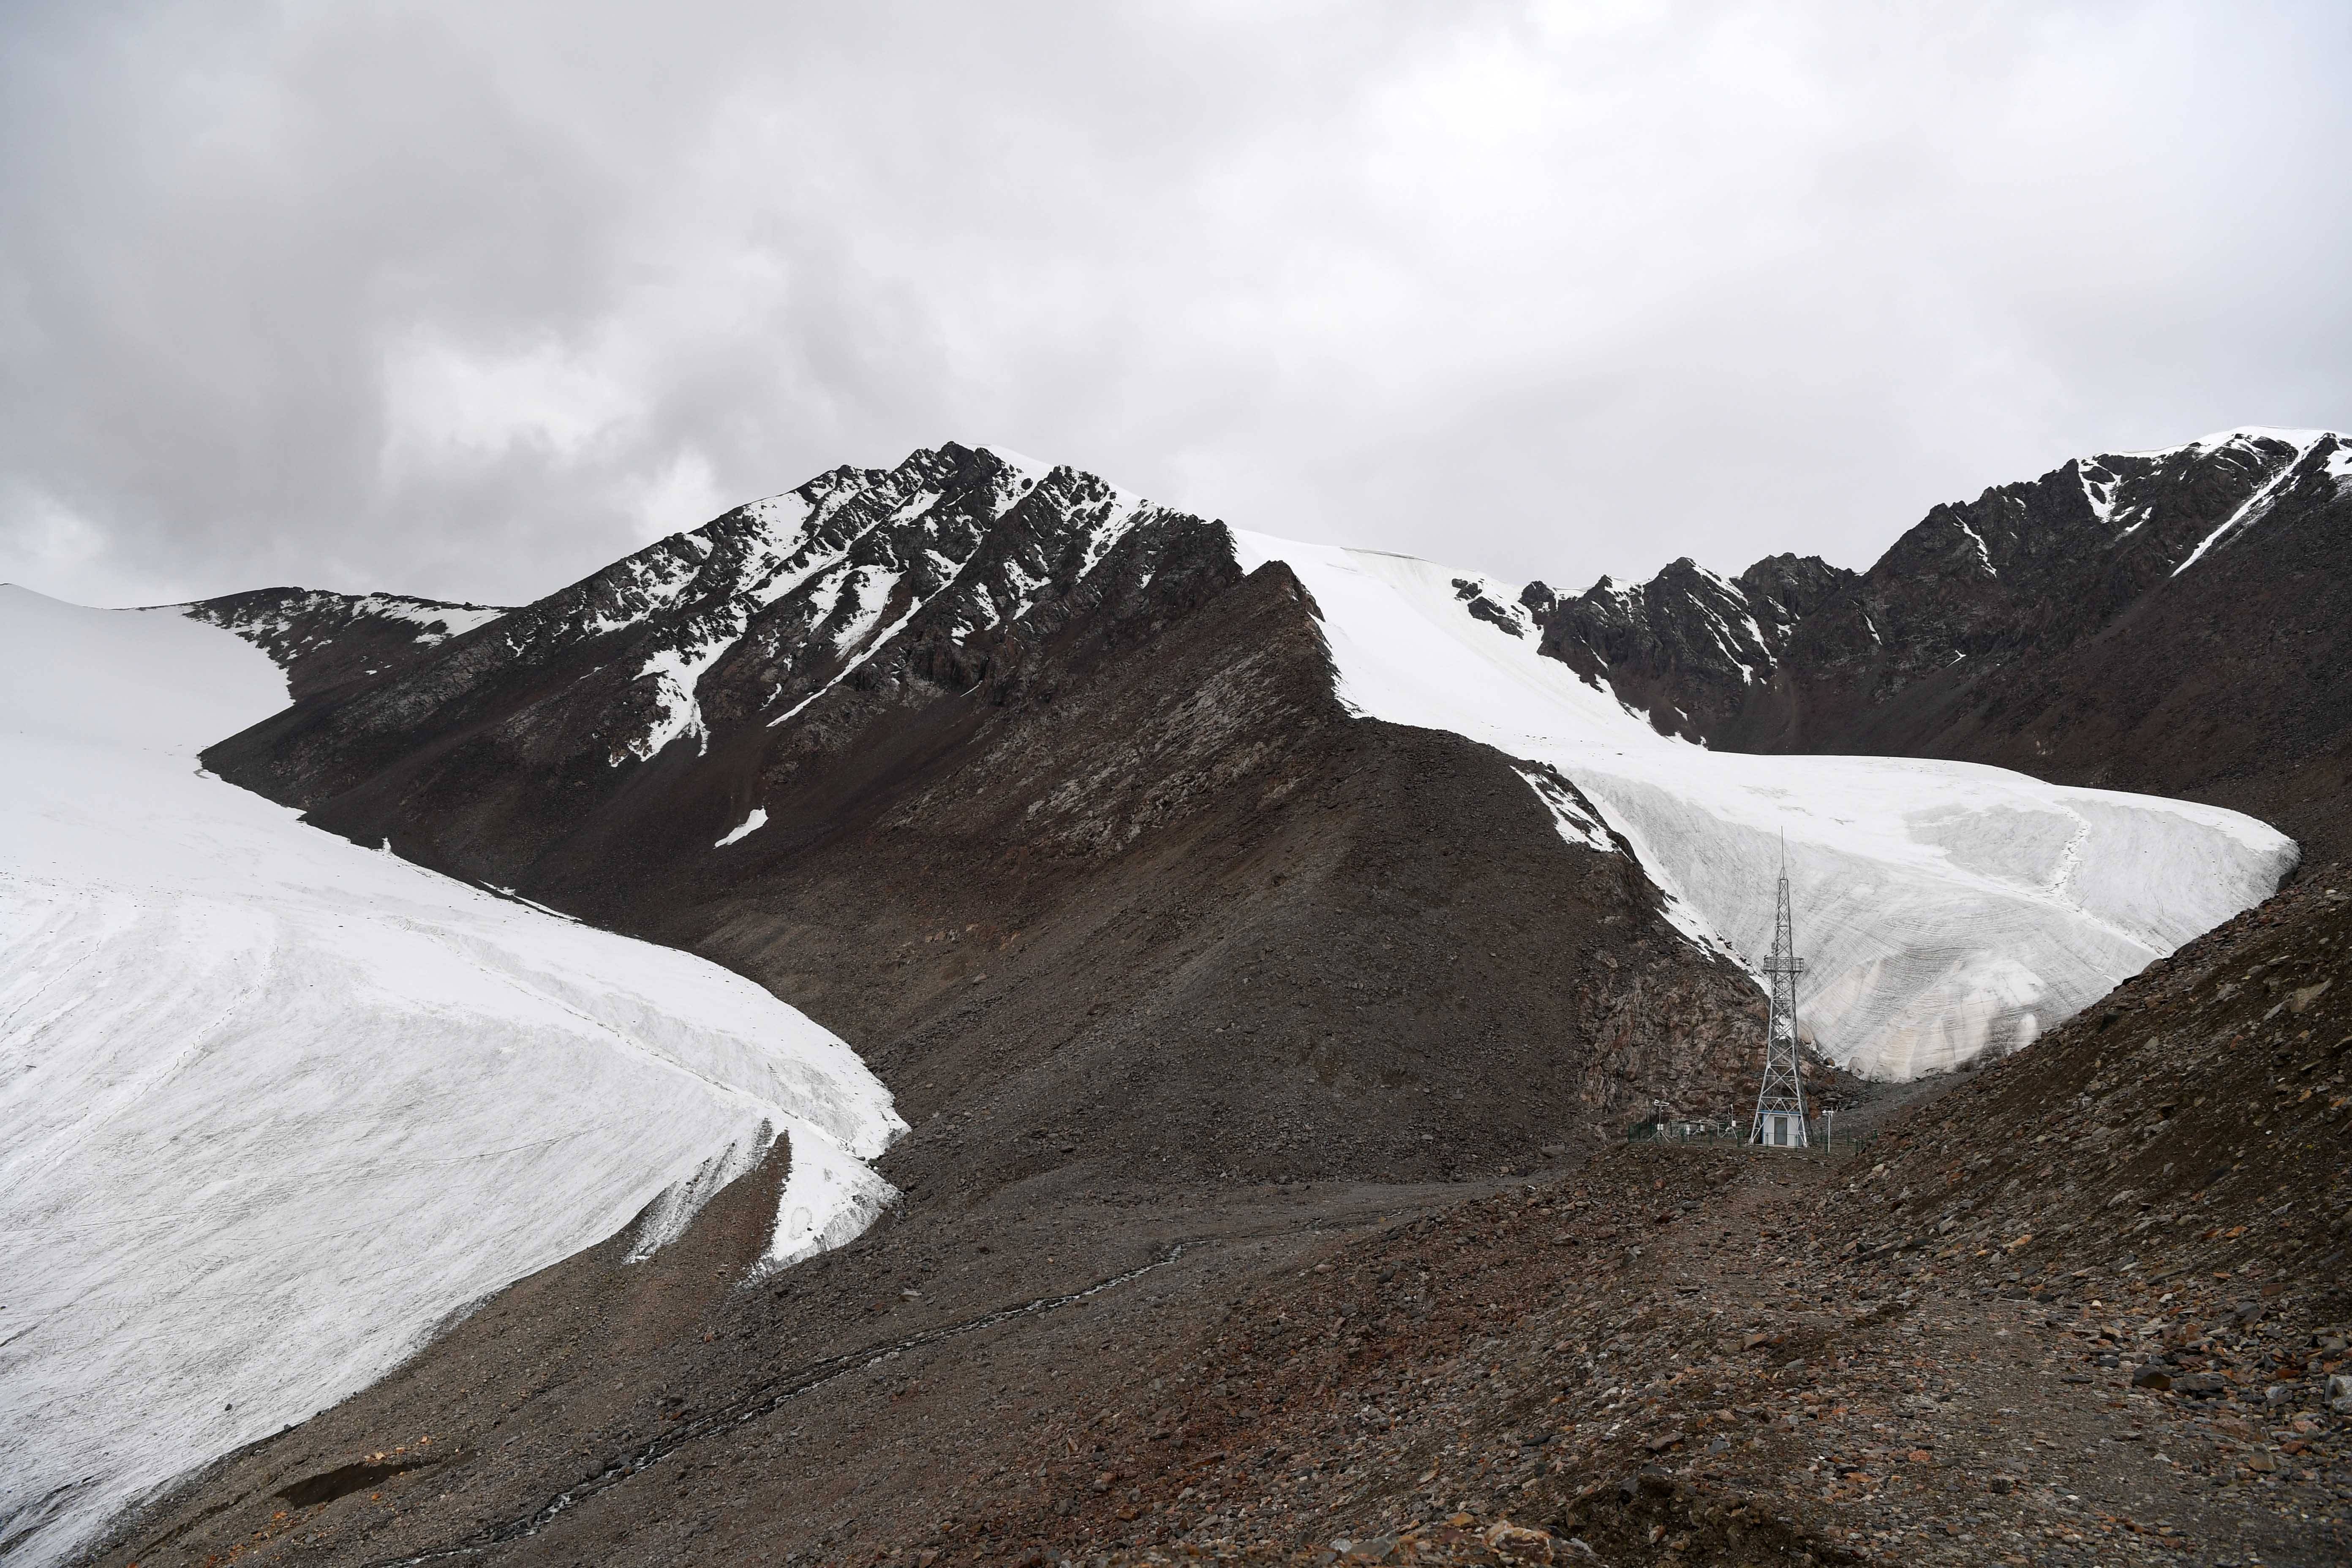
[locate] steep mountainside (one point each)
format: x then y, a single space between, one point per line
1950 911
2173 622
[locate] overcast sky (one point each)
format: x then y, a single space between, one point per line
468 300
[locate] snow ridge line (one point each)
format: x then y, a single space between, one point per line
2256 504
1121 515
764 1401
1983 554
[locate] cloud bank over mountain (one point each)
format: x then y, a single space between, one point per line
462 302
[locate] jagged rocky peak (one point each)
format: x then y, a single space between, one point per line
2164 509
1706 636
321 639
763 610
816 607
1788 587
2023 569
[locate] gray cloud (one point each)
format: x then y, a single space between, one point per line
466 300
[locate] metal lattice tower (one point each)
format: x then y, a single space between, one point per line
1781 1104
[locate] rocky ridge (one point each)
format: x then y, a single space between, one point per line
862 588
2167 622
919 747
323 639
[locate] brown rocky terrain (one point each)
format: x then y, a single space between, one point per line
2087 1306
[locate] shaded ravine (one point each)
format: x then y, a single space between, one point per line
763 1401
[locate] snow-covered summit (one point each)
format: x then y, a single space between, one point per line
818 576
2237 434
272 1106
789 594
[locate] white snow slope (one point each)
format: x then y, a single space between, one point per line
1945 910
273 1106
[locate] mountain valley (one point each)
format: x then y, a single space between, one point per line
1265 947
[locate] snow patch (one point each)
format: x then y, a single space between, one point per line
2099 488
273 1106
745 828
676 711
440 622
2257 504
1576 825
1983 554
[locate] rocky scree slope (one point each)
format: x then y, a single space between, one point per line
2087 1306
2174 622
2190 1141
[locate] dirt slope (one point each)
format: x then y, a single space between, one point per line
1687 1354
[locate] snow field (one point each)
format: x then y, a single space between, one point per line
273 1106
1945 910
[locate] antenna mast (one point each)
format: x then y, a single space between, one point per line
1780 1103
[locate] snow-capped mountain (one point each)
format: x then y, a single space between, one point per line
1952 909
274 1107
916 581
2174 621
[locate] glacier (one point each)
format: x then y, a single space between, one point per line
274 1106
1946 909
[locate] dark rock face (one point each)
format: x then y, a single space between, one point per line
1687 645
2176 623
323 639
863 592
